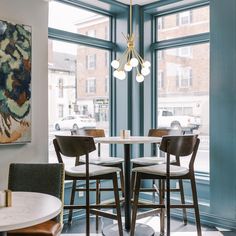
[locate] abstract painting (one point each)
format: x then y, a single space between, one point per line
15 83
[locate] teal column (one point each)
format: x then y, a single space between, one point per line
149 102
128 92
135 89
223 111
119 93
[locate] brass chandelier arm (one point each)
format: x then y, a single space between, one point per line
130 54
138 56
122 58
137 69
127 55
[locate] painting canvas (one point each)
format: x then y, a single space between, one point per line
15 83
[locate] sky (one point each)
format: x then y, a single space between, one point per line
64 17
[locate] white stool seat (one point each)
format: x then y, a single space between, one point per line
103 160
94 170
146 161
161 170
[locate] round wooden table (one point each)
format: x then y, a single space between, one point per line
28 209
141 229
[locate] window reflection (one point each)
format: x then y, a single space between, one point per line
184 23
78 20
183 93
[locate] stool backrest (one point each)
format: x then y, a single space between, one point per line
159 132
96 133
75 146
178 145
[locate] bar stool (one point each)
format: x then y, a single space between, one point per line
179 146
157 159
76 146
100 160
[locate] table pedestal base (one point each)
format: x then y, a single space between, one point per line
140 230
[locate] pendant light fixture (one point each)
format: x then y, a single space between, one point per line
130 59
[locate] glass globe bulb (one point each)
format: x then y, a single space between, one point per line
145 71
116 74
146 64
121 75
139 78
128 66
134 62
115 64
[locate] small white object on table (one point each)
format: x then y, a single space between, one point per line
28 209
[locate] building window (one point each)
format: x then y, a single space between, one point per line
160 23
184 18
160 79
91 62
91 85
107 59
183 23
106 85
184 77
60 110
160 55
91 33
60 87
185 51
106 33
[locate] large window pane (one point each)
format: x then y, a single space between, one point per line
183 94
92 84
78 89
78 20
185 23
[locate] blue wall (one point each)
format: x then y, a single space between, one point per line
223 111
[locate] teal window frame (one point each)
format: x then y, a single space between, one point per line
144 94
76 38
108 44
163 9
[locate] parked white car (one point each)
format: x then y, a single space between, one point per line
75 122
186 123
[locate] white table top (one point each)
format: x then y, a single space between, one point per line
28 209
130 140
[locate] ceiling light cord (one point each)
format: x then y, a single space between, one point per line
130 18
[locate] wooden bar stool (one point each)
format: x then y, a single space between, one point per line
100 160
179 146
76 146
157 159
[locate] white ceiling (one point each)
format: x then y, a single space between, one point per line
138 2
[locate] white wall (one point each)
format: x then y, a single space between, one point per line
35 14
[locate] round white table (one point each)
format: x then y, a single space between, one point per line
28 209
141 229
